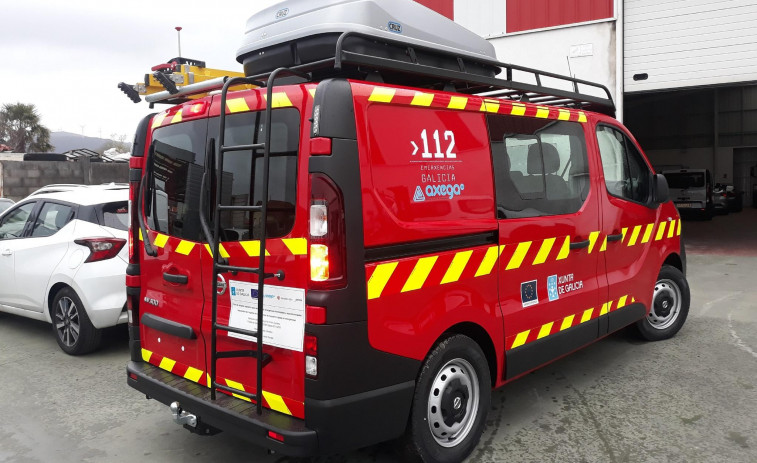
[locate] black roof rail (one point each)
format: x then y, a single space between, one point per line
418 66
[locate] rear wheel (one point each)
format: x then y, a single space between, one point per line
670 306
73 330
451 401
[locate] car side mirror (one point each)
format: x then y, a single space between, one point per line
660 191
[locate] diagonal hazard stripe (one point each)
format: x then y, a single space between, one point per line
422 99
185 247
457 102
456 267
660 231
297 246
380 278
520 253
276 402
546 247
382 95
647 233
420 273
672 229
565 250
492 254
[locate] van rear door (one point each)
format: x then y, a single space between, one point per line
286 251
172 292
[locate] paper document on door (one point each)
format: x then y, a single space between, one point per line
283 314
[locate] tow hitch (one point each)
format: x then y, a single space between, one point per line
190 421
182 417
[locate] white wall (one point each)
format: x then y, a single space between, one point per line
682 43
487 18
592 47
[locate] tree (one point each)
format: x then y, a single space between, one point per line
21 129
117 141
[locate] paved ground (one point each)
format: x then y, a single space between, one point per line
690 399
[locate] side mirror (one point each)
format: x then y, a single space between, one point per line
660 191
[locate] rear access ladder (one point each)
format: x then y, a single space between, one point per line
222 265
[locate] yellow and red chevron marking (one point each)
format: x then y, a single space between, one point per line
554 327
409 97
413 273
270 400
274 247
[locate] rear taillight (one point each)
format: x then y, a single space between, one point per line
327 238
101 248
311 356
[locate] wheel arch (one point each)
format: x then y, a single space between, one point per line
54 290
480 336
674 260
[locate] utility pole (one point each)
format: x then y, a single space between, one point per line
178 32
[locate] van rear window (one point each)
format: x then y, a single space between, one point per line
685 180
178 165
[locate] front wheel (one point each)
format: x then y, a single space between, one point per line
73 330
670 306
452 398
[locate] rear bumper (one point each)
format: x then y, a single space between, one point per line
332 425
225 413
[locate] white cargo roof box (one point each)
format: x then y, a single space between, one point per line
399 20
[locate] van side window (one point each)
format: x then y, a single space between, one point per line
626 174
540 166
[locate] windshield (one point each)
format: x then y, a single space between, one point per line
178 165
685 180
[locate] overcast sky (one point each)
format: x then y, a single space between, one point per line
67 57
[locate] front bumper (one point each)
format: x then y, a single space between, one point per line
226 413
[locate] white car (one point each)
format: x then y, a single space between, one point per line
63 260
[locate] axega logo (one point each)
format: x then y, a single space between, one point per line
394 27
448 191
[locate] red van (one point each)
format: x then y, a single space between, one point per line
416 244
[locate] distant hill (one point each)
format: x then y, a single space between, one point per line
66 141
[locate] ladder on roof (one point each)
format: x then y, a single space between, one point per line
221 264
519 83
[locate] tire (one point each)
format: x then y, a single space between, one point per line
68 314
670 306
451 401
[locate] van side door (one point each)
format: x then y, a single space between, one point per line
548 216
630 227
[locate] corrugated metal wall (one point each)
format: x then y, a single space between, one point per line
684 43
525 15
445 7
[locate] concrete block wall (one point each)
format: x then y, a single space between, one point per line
18 179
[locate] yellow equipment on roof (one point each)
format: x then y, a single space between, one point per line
172 76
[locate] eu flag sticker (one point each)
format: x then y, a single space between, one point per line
552 288
528 293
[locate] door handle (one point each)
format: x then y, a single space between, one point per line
579 244
173 278
617 237
7 252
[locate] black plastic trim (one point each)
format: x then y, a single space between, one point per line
398 251
225 413
135 343
168 326
140 136
133 269
135 175
362 419
537 353
625 316
133 291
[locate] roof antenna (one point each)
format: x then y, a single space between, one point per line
178 32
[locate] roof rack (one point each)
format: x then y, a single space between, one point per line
61 187
519 83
